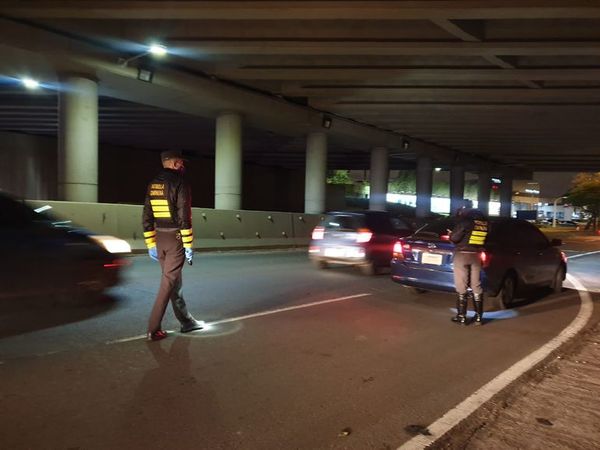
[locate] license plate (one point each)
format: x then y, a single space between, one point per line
431 258
335 252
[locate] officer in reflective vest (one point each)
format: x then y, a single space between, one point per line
167 221
468 236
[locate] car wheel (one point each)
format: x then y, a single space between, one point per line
506 295
418 291
557 283
368 268
321 264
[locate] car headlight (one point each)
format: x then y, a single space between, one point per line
112 244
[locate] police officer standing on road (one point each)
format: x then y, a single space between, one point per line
167 222
468 237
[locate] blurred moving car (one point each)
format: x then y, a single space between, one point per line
44 256
359 238
516 255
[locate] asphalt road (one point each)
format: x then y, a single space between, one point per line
360 372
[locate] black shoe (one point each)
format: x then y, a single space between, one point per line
157 335
192 325
478 320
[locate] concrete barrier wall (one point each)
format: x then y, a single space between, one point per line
213 229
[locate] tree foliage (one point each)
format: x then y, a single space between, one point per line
585 192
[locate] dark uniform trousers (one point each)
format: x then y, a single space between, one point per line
171 257
467 272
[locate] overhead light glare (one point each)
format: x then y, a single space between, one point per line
30 83
158 49
438 169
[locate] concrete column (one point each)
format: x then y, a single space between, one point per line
379 178
506 195
228 161
424 186
484 187
78 140
316 172
457 187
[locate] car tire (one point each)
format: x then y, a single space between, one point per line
506 294
418 291
321 264
557 283
368 268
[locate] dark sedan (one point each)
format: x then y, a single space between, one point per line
516 255
41 256
360 238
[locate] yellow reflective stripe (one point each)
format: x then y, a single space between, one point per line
187 245
160 208
187 239
163 215
148 234
479 233
476 241
186 232
159 202
153 244
149 240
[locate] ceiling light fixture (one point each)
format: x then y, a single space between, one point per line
155 49
327 121
30 83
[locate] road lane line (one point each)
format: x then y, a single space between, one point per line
483 394
583 254
251 316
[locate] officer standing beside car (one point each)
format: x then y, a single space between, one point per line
167 221
468 236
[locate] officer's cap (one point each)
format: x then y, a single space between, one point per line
172 154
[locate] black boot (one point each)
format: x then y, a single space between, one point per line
478 303
461 310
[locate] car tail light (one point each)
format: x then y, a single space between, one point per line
364 235
399 248
485 259
445 237
116 263
318 233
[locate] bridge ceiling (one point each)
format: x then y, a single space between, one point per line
515 82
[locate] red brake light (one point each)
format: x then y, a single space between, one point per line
399 248
484 257
115 264
318 233
364 235
445 237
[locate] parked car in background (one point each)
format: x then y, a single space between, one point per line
44 256
359 238
516 255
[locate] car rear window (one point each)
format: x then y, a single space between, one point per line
435 229
342 223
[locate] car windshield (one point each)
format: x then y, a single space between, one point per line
435 229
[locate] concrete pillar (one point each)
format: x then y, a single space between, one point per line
379 178
457 187
424 186
228 161
78 140
506 195
484 187
316 172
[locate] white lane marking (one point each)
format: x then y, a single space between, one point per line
482 395
260 314
584 254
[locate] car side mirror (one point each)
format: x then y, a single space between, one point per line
556 242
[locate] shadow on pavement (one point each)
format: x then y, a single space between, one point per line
24 315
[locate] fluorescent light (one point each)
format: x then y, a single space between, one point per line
438 169
158 50
30 83
112 244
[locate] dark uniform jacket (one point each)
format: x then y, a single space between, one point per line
168 206
470 232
